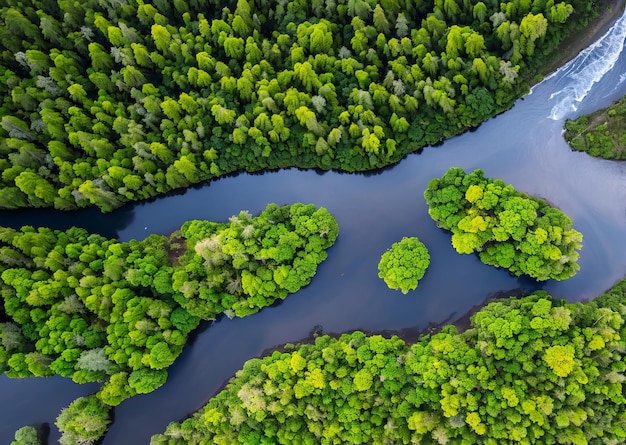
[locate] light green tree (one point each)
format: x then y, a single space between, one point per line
404 264
27 435
85 420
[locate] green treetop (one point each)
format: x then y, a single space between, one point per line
529 371
84 421
404 264
507 228
29 435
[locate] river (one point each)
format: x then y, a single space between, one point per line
523 146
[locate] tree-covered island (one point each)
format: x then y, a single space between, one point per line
507 228
404 264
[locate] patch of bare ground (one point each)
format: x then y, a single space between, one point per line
176 247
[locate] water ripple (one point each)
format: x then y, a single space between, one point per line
581 73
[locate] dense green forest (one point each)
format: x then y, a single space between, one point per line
84 421
94 309
531 371
404 264
601 133
507 228
262 259
105 102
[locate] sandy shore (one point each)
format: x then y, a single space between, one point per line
610 11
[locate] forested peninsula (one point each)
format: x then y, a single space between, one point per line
601 133
94 309
110 102
531 371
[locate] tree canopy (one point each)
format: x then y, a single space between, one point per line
404 264
84 421
601 133
532 370
109 102
242 266
507 228
29 435
94 309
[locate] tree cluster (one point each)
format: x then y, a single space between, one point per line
84 421
601 133
239 267
109 102
404 264
529 371
507 228
86 307
29 435
94 309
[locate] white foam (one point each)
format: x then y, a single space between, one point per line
622 79
581 73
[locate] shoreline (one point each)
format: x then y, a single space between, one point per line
610 12
412 334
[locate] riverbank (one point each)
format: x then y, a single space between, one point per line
601 133
610 12
409 335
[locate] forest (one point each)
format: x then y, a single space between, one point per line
507 228
93 309
601 133
530 370
105 102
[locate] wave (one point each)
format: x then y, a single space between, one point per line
622 79
582 72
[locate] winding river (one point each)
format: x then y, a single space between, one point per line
523 146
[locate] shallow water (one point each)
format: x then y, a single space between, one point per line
523 146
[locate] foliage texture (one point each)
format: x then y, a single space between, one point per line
28 435
242 266
528 371
404 264
94 309
601 133
105 102
507 228
84 421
